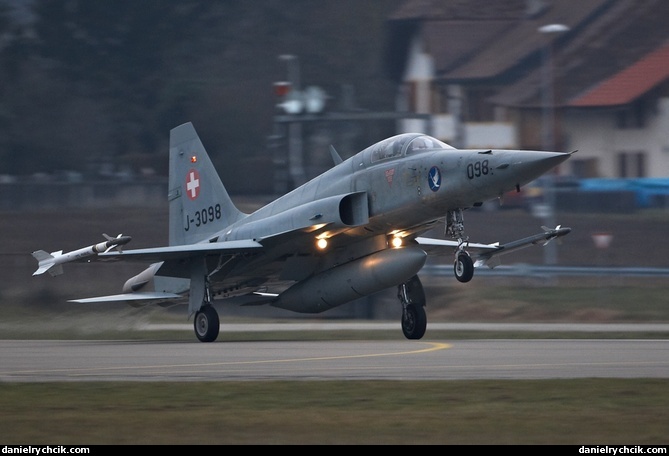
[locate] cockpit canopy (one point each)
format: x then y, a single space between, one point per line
404 144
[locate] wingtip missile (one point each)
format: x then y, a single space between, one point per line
119 241
53 261
553 233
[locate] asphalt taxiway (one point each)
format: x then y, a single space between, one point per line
131 360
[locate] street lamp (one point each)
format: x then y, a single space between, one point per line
293 105
293 69
548 129
548 95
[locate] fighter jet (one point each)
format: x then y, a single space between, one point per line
353 231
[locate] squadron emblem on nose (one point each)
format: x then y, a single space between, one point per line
434 178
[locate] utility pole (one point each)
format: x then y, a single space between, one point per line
548 131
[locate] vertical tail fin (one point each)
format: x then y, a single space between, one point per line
199 203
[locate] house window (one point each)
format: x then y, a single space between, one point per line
478 109
410 93
632 116
632 164
440 99
584 168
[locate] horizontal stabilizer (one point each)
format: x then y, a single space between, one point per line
148 296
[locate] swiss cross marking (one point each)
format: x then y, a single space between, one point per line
193 184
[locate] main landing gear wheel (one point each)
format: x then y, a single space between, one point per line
414 319
206 323
463 267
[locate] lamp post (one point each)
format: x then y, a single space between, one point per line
548 129
294 106
293 67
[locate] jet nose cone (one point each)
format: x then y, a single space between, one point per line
531 164
555 158
545 158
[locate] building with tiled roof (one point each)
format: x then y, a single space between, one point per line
628 85
490 78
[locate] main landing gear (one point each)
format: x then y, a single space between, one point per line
206 322
455 227
414 319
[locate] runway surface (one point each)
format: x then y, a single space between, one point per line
84 360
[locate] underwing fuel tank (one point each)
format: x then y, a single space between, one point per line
344 283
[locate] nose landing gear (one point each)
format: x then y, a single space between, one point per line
455 228
463 267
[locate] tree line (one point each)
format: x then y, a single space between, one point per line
90 86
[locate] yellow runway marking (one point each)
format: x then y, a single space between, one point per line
431 347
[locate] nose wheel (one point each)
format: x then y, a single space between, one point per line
455 228
463 267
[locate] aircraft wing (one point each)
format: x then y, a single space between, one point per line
169 260
483 253
161 255
178 252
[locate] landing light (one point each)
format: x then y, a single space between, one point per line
396 241
322 243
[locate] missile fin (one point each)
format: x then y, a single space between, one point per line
45 261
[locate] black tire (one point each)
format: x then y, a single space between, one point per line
463 267
206 324
414 322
